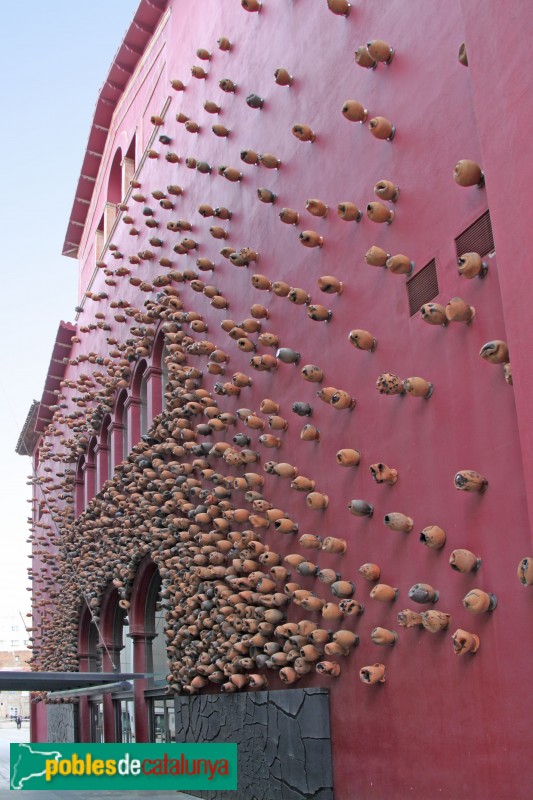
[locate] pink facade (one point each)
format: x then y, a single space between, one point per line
441 725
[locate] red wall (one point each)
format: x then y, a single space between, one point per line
440 726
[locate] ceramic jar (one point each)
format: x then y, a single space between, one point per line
398 522
464 642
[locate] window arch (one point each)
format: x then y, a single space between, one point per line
139 401
128 166
114 183
120 436
89 469
160 371
79 499
104 466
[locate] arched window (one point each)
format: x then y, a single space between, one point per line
128 166
139 402
114 193
90 467
79 498
119 437
103 459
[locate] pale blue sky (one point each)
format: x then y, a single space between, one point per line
54 57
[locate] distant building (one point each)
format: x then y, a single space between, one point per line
14 655
250 434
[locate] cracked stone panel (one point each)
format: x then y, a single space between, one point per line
283 739
62 722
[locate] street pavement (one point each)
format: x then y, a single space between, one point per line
9 733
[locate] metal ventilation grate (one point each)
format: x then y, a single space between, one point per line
477 238
422 287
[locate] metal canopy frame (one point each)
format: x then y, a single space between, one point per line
77 682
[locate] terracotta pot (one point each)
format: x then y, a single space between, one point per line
340 7
307 568
525 571
376 257
409 619
312 373
311 239
198 72
468 173
384 474
423 593
360 508
343 589
400 264
289 675
418 387
303 132
283 77
319 313
254 101
221 131
373 674
464 642
495 352
389 384
331 611
435 621
354 111
479 602
384 593
298 296
312 603
268 440
316 207
310 434
381 128
380 51
468 480
386 190
464 561
281 289
342 400
349 212
266 196
231 174
269 161
328 576
268 407
383 636
433 537
331 669
257 681
398 522
364 59
332 545
434 314
370 572
311 542
289 216
277 423
320 636
471 266
378 212
348 457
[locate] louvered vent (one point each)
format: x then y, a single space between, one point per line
422 287
477 238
